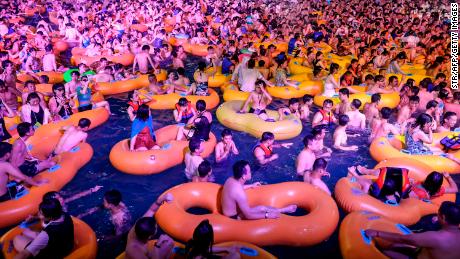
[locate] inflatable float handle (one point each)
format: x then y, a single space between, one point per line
405 230
179 250
391 203
54 168
365 237
75 149
249 251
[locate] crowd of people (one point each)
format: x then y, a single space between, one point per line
382 38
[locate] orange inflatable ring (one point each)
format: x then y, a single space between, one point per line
139 27
60 45
54 77
355 244
172 153
281 47
349 196
306 230
126 59
196 49
68 164
169 101
288 92
85 242
392 147
176 42
247 251
122 86
78 51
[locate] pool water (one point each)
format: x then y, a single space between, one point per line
139 192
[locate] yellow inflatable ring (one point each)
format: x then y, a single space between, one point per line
169 101
307 230
228 115
388 100
172 153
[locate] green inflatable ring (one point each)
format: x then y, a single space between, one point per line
67 75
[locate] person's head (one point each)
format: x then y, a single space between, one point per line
152 78
145 228
204 169
393 80
58 89
201 66
375 98
75 75
201 242
449 213
226 136
333 68
308 141
196 146
440 77
53 195
251 63
50 209
112 199
344 93
146 48
5 150
33 99
431 105
307 99
242 170
433 183
414 102
267 138
327 105
201 106
259 85
84 124
385 113
355 104
143 112
343 120
424 122
294 103
319 165
183 102
449 119
25 129
319 132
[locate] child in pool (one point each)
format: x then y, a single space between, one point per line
314 176
119 213
340 135
293 108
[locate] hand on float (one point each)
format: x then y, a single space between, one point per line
371 233
287 145
256 184
165 198
164 242
352 170
41 182
273 215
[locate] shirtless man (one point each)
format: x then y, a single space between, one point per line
193 158
371 110
7 170
104 76
305 108
9 75
324 116
357 119
435 111
21 156
319 133
444 243
318 171
407 111
263 152
9 96
73 136
379 86
225 147
381 127
307 157
154 87
340 135
49 59
143 59
259 100
293 108
71 87
449 120
144 230
344 105
235 201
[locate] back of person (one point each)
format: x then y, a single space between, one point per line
61 239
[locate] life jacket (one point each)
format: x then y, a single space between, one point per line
61 239
451 142
328 117
268 152
402 179
188 112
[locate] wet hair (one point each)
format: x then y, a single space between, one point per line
422 120
113 197
261 63
200 105
328 101
356 103
433 183
375 98
293 101
194 144
201 66
183 101
392 78
145 228
440 75
50 195
414 90
414 98
31 96
334 67
385 112
49 48
146 47
451 212
345 91
84 123
343 120
226 132
369 77
75 73
204 168
306 98
267 136
181 71
447 115
260 82
251 63
379 78
143 112
432 104
308 139
51 209
5 148
201 243
320 163
23 128
239 169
